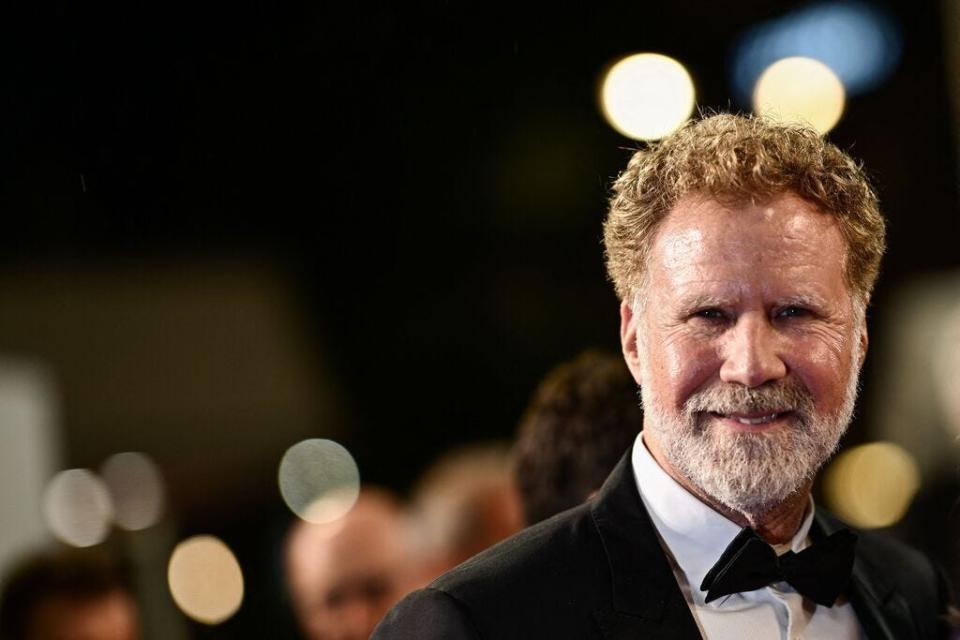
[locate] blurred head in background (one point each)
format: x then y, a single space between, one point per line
465 502
68 595
345 575
581 420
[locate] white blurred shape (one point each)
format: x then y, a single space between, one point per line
946 366
29 448
77 508
319 480
136 487
205 579
872 485
646 96
800 90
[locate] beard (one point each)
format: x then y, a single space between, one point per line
750 472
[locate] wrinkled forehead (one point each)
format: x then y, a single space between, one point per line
699 221
703 239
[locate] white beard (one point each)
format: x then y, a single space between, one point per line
749 472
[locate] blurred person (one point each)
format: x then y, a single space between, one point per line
921 334
345 575
68 595
744 253
463 503
583 416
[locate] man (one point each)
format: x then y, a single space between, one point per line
582 417
744 253
463 503
68 595
345 575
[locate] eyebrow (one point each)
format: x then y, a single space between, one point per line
707 301
805 299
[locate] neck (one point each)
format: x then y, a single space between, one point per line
776 524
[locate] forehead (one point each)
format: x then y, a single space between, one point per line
782 242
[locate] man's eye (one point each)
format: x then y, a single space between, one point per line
793 312
709 314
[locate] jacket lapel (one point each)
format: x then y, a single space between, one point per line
881 609
646 599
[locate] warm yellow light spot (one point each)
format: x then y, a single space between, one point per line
205 579
800 90
646 96
136 488
77 508
872 485
319 480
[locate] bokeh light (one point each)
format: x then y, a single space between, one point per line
858 41
946 369
205 579
77 508
136 488
800 90
319 480
646 96
872 485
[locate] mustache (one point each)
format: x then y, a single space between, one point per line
783 395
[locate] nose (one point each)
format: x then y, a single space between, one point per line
751 355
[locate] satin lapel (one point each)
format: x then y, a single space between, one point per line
881 609
646 599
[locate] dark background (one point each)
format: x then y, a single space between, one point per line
429 181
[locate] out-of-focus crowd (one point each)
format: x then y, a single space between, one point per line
342 577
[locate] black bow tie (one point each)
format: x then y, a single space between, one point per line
819 572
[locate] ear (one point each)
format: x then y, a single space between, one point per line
628 339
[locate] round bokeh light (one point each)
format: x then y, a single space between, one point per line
77 508
136 487
800 90
872 485
319 480
646 96
205 579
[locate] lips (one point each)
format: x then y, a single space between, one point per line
752 419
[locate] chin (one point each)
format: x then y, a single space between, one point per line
745 468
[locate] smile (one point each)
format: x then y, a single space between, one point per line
751 419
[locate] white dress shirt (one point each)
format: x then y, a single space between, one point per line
694 536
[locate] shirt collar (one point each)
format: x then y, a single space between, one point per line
694 533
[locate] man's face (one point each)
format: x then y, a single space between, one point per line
344 577
111 616
747 347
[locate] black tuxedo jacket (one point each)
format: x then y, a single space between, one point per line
598 571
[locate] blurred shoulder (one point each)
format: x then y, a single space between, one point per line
566 544
542 582
424 614
909 569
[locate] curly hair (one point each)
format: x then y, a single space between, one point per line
583 417
736 159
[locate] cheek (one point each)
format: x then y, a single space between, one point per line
824 368
680 367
